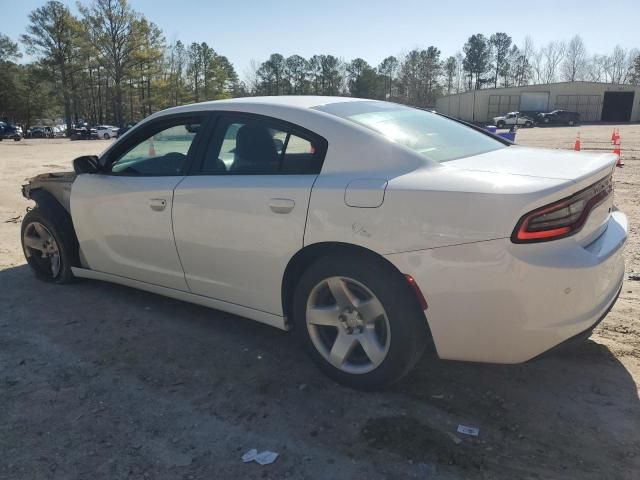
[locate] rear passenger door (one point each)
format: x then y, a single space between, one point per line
240 216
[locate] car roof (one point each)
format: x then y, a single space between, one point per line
298 109
281 102
296 101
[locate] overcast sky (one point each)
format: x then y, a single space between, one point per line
371 29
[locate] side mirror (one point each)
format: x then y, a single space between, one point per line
86 164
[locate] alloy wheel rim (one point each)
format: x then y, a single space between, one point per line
39 242
348 325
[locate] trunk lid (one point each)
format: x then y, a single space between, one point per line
580 170
579 167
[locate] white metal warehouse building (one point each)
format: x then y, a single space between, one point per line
595 102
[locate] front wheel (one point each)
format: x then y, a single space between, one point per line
528 124
48 246
359 321
106 136
500 124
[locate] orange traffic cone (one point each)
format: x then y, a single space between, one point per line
152 150
615 135
576 147
618 151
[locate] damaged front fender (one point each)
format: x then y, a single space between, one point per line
58 185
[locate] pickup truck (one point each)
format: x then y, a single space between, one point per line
510 119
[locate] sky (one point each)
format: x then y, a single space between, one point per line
248 30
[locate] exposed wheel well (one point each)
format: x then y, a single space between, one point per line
309 254
50 204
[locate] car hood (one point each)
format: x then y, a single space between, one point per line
538 162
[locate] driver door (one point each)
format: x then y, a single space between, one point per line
123 215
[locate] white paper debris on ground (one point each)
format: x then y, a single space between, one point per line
250 455
473 431
266 457
263 458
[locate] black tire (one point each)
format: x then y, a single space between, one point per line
528 124
409 329
106 136
58 223
500 124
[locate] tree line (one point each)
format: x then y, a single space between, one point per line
110 64
419 76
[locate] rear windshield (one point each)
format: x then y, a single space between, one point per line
433 136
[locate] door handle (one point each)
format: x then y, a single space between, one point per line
157 204
281 205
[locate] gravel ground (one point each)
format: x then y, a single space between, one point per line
101 381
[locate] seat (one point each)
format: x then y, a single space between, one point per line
255 151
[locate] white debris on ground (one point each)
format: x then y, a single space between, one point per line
263 458
473 431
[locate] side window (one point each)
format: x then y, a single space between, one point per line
299 156
254 147
162 152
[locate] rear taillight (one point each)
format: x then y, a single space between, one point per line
562 218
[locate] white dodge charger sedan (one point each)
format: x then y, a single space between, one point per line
370 229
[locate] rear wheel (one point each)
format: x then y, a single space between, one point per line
47 248
359 321
528 124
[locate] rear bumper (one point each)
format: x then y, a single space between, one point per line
582 336
496 301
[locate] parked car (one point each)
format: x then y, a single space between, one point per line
559 117
513 118
106 131
40 132
59 131
370 229
83 133
10 132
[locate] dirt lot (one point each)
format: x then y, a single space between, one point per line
100 381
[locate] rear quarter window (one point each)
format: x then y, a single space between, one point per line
429 134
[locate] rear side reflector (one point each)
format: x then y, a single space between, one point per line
416 289
562 218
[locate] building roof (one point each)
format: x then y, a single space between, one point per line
549 85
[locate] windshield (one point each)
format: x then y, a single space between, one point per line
431 135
